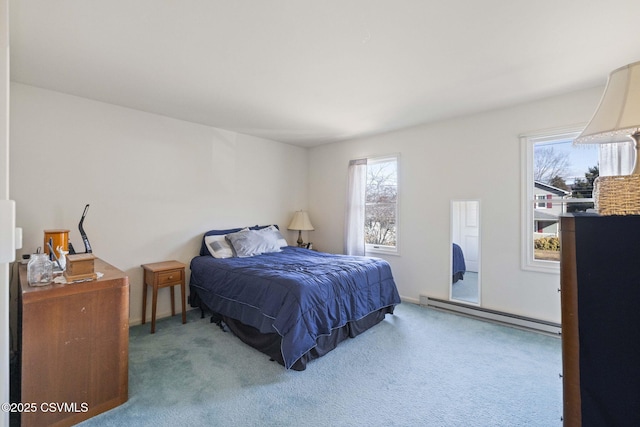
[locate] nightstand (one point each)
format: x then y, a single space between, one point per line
161 275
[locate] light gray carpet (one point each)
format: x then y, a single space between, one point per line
467 288
419 367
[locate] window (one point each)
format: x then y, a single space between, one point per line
557 178
542 205
381 205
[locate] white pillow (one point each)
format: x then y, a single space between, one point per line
218 246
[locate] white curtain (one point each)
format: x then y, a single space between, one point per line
616 159
354 224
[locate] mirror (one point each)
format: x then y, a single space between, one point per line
465 251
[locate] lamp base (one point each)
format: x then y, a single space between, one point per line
300 241
617 195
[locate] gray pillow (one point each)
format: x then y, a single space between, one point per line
273 233
252 242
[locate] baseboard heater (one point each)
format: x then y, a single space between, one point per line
493 315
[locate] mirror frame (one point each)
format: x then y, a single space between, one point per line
451 234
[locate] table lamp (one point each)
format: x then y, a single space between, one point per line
300 222
617 119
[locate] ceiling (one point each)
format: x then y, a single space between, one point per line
308 72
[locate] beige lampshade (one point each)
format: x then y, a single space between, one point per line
618 115
300 222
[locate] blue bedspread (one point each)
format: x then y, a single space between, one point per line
459 265
298 293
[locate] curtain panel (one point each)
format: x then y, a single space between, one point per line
616 159
355 208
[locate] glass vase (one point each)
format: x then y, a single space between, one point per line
39 270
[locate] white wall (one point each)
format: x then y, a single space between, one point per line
475 157
155 184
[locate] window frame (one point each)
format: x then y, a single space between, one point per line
384 249
528 198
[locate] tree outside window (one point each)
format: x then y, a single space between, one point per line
381 203
566 177
558 178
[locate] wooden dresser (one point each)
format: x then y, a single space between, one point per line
74 344
600 291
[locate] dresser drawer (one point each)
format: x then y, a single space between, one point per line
171 276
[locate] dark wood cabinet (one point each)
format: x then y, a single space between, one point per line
74 345
600 291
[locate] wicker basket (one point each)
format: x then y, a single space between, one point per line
617 195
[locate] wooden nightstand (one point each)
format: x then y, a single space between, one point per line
162 275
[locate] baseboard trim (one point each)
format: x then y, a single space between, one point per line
522 322
410 300
138 320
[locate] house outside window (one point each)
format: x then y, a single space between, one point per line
381 205
557 178
546 214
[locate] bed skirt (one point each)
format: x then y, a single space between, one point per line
269 344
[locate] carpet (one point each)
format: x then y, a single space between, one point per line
419 367
467 288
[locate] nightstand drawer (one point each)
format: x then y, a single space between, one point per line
171 276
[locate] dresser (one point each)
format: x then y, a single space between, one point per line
74 347
600 299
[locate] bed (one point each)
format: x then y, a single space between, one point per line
293 304
459 267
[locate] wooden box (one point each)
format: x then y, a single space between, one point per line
79 266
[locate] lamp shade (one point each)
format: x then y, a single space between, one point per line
300 221
618 115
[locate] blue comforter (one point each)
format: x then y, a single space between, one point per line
298 293
459 265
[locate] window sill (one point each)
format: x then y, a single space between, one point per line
552 267
381 251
